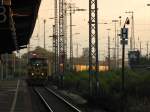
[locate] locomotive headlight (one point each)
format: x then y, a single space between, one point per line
32 74
42 74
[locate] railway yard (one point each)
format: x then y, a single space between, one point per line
100 65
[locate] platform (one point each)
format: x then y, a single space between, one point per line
14 96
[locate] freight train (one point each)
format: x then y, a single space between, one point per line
37 71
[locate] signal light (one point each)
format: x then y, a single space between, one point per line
32 74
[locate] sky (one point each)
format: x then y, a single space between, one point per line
108 10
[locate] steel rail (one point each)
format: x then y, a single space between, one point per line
62 99
44 101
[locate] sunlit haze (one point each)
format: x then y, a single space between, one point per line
108 11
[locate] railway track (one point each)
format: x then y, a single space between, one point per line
53 102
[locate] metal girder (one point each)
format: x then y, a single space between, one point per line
56 61
61 40
93 47
55 50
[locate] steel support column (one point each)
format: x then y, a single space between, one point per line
61 41
93 47
65 35
55 36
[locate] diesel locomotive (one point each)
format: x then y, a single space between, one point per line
37 71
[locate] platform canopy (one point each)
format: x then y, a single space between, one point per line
17 22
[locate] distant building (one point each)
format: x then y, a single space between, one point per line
85 52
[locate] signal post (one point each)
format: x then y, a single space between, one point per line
124 41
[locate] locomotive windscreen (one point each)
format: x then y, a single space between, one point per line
38 61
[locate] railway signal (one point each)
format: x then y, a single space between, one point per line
124 41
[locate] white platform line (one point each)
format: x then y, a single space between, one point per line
15 97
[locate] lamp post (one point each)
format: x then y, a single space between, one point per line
108 49
44 32
72 10
147 49
71 54
71 42
77 52
118 42
77 47
105 23
147 43
115 58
